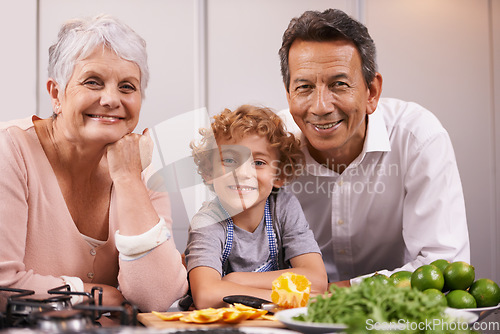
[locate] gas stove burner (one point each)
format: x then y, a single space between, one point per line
26 305
23 304
128 311
53 312
59 321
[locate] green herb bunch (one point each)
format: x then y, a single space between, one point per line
374 302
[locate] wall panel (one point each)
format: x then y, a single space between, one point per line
495 56
18 34
243 42
437 53
167 27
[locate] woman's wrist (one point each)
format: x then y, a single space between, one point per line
76 285
135 246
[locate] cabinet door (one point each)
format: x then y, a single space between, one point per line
18 59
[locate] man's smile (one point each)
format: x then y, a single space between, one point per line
325 126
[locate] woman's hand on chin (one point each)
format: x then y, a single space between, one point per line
128 156
146 146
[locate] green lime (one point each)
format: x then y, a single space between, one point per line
368 281
426 277
459 275
401 279
381 278
460 299
437 296
486 292
441 264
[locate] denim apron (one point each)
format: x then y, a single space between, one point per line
272 262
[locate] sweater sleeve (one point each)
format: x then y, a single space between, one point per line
157 279
136 246
14 216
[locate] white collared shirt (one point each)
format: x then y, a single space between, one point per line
397 206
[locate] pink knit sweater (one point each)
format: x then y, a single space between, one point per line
39 241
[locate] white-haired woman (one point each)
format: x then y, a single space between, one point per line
74 208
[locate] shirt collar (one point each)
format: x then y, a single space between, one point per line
377 138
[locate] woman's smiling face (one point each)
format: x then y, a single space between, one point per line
102 100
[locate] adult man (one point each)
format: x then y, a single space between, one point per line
381 188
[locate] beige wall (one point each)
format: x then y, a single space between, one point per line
438 53
495 116
443 54
18 59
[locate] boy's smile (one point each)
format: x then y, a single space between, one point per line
242 189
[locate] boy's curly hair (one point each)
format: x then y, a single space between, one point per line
249 119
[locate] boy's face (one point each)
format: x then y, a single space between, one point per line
245 172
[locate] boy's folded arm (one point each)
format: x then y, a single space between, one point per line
259 280
208 288
310 265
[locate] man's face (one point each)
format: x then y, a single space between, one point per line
328 98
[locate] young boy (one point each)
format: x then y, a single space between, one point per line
252 232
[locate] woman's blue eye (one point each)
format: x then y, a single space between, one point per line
128 87
259 163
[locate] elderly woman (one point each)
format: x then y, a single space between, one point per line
74 208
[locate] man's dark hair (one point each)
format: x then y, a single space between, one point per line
332 24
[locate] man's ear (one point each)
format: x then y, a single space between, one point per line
53 89
287 93
374 90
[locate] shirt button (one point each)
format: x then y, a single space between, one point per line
341 183
341 251
92 252
90 275
340 222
